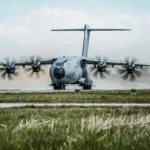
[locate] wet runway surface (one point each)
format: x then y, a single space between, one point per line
9 105
55 91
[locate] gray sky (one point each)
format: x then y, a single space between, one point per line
25 30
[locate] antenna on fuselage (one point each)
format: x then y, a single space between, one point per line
87 31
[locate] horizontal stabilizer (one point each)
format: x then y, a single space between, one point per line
91 29
67 30
109 29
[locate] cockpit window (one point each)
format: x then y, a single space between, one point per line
60 64
66 60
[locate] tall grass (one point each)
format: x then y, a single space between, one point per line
76 129
143 96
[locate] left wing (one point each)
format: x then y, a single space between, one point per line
113 62
131 68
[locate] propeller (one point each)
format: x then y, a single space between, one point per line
36 67
101 68
9 69
130 70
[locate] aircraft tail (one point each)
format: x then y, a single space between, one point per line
87 31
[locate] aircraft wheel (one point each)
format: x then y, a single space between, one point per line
87 87
59 87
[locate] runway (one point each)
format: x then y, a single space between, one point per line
9 105
51 91
60 91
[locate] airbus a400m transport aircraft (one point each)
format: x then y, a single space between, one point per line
75 70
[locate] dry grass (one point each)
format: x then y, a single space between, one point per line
101 128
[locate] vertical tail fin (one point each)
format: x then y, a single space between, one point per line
86 39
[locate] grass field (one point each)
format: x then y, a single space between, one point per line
143 96
75 129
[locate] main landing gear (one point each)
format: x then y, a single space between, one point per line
59 86
87 87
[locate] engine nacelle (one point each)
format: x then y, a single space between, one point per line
10 68
101 66
130 68
36 67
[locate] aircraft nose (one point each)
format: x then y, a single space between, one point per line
59 73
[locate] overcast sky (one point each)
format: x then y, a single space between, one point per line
25 29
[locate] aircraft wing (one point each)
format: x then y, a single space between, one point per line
30 62
112 62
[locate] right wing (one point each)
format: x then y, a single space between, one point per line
30 62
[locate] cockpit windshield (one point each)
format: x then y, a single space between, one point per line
60 64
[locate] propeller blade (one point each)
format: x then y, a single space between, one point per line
37 75
132 77
23 58
138 73
7 60
2 69
16 69
28 69
95 73
14 60
9 68
35 58
10 77
31 74
102 75
101 67
3 75
38 58
127 60
32 58
133 61
92 68
36 63
16 74
121 71
43 71
108 72
125 77
105 59
130 70
98 57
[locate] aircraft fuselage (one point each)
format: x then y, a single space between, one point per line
66 70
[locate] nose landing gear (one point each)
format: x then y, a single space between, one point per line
59 86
